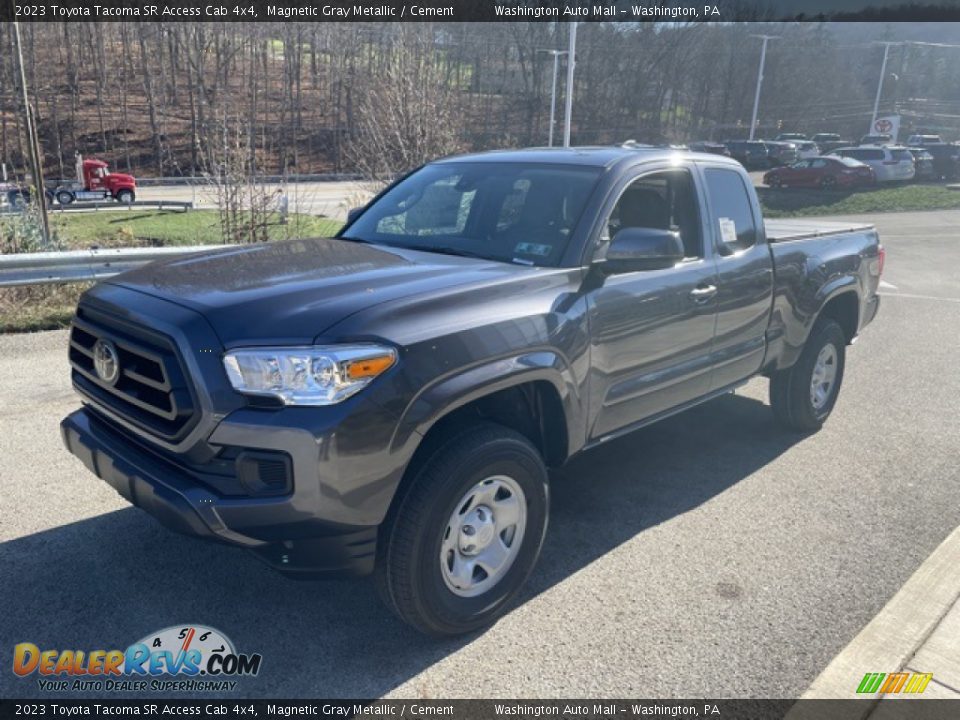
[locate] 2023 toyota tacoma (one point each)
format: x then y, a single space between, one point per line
390 400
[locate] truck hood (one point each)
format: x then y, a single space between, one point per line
120 178
290 292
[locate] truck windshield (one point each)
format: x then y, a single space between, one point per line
510 212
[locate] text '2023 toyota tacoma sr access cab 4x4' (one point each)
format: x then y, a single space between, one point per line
388 401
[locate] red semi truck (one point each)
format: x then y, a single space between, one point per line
96 182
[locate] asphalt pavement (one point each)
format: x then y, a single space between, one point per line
710 555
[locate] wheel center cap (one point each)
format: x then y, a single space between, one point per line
477 531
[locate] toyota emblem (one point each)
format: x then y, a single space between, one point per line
105 361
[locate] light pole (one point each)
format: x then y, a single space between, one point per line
553 90
883 72
756 97
571 63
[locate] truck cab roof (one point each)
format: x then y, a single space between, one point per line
589 156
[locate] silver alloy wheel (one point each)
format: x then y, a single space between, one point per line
824 375
483 536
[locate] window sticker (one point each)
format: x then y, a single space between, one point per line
728 230
533 249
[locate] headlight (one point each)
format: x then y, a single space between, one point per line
307 375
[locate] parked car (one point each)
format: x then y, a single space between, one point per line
924 164
946 160
714 148
388 401
822 172
807 149
889 163
790 137
828 142
921 140
752 154
876 139
780 153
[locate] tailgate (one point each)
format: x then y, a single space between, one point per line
786 230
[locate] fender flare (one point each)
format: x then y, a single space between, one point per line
843 285
439 399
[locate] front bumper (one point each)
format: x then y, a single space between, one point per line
274 528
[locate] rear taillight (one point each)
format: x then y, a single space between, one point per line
881 259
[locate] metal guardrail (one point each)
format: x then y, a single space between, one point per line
265 179
49 268
112 205
179 205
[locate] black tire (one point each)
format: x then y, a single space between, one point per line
776 182
408 573
126 197
790 390
64 197
828 183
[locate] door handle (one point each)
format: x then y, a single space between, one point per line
702 293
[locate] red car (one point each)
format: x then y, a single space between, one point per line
822 172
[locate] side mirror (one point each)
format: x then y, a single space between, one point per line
634 249
353 213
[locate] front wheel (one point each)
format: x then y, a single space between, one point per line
125 197
828 183
803 396
466 533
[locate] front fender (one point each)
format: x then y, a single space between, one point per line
447 394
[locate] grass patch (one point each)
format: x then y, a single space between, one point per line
134 228
47 307
796 202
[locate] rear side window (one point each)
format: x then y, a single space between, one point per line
732 210
866 154
902 155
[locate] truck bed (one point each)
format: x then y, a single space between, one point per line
786 230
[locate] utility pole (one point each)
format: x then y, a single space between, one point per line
553 91
883 72
756 97
33 142
571 63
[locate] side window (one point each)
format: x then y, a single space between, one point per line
818 164
665 201
731 206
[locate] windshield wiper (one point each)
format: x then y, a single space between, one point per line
445 250
356 240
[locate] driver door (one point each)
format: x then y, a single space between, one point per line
652 331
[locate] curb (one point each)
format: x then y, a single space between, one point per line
892 638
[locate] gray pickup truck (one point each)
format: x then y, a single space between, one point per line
389 401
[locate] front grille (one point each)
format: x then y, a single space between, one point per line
151 391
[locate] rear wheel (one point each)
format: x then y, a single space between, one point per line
466 533
776 181
803 396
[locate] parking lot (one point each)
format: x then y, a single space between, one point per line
710 555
